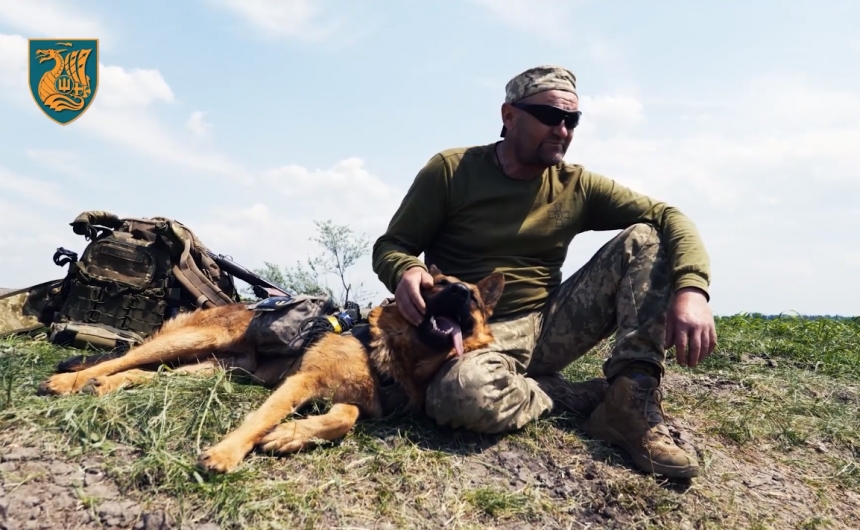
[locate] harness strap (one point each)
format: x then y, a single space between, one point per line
362 333
392 395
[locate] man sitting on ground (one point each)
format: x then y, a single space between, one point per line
515 206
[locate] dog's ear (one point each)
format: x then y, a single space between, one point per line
491 289
434 270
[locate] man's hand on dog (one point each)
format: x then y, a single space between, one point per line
690 327
408 294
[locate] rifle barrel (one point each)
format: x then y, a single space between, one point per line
244 274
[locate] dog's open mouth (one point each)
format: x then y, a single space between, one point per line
448 319
449 328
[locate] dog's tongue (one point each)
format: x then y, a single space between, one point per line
456 333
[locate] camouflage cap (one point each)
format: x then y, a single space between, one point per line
539 79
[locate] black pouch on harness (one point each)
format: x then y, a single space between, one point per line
287 325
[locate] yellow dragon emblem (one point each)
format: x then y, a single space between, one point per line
66 85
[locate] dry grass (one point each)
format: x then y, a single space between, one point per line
774 415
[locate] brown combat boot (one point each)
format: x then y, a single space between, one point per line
580 397
631 418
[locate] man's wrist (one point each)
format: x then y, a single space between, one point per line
694 290
407 268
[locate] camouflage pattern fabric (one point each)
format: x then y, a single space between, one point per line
539 79
20 309
625 288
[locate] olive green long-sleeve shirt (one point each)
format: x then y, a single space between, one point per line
470 219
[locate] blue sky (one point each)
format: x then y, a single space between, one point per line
248 120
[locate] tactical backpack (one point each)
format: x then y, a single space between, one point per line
135 274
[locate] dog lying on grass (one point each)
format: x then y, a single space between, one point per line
341 368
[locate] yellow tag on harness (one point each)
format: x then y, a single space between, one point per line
335 324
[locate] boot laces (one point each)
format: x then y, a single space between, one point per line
650 401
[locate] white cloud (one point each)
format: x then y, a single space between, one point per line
277 228
40 192
117 87
551 21
141 131
612 111
63 161
127 116
197 125
36 218
546 19
284 18
760 146
123 111
347 177
766 175
13 66
51 19
121 88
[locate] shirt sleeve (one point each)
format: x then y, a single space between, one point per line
611 206
420 215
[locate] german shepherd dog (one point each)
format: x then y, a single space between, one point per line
340 368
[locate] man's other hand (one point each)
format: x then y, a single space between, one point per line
408 297
690 327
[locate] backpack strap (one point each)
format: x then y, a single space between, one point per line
205 293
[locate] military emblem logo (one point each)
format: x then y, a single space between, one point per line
64 76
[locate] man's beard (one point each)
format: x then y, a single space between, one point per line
545 155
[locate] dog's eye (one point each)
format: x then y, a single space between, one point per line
442 282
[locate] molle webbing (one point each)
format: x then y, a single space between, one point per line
124 309
136 273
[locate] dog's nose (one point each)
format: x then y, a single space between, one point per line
460 291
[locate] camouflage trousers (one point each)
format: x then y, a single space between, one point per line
625 288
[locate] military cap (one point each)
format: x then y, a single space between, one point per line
539 79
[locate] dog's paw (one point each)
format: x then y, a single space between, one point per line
285 438
221 458
98 386
62 384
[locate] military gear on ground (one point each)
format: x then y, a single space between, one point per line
98 336
133 275
24 310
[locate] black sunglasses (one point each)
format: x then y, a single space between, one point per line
551 116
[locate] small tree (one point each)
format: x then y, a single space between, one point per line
342 250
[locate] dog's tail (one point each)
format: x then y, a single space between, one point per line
81 362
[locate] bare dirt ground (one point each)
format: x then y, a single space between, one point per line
43 487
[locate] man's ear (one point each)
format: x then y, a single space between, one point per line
434 270
491 289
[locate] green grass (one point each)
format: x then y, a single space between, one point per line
773 410
829 346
